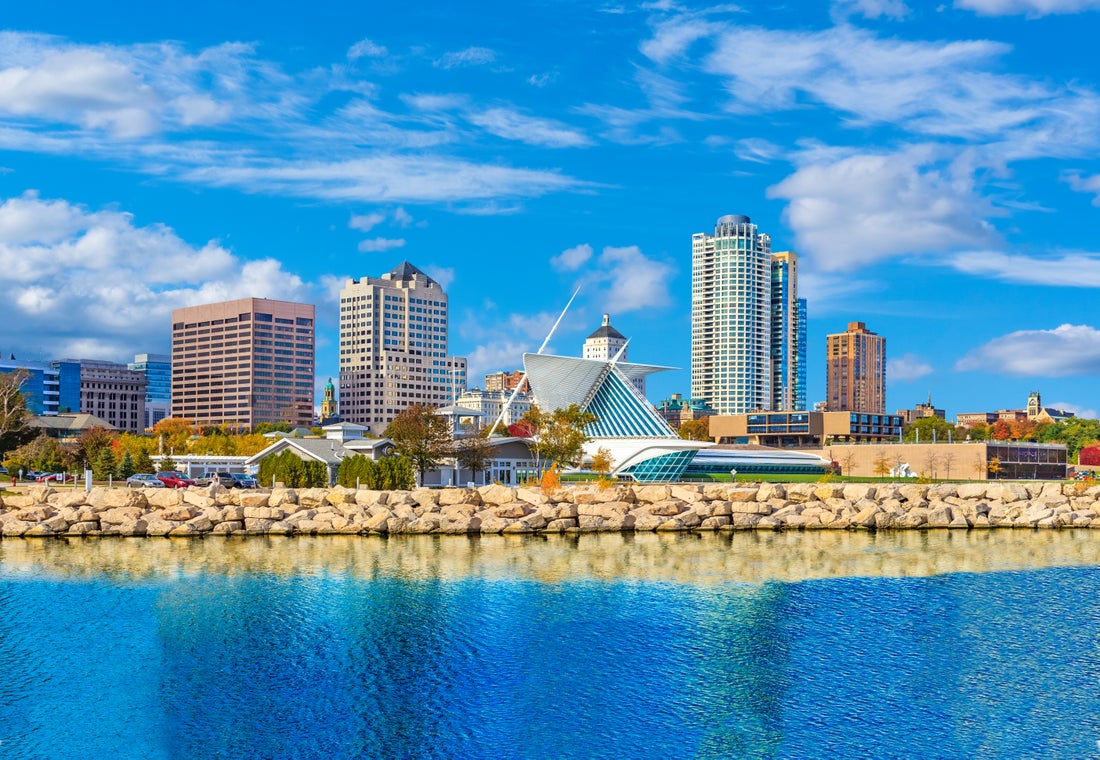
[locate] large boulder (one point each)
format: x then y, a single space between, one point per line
496 494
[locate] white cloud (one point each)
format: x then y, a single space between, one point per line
366 48
629 280
572 259
512 125
1077 269
1084 184
401 217
471 56
1030 8
1076 409
142 107
366 222
541 80
856 209
907 367
940 88
1064 351
892 9
380 244
756 150
75 272
386 179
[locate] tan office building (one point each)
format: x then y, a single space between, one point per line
393 347
114 393
856 371
244 362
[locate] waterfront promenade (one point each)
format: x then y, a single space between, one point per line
41 511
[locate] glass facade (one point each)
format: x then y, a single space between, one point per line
663 468
619 413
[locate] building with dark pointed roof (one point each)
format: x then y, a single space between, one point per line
393 347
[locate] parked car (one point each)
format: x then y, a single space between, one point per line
144 480
3 470
221 478
55 477
244 480
174 479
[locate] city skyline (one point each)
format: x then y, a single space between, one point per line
933 169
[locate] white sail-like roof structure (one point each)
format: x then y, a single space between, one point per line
641 443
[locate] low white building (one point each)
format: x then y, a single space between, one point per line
489 403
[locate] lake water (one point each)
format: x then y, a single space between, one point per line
793 645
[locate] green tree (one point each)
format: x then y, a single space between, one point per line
167 463
42 453
125 467
15 427
292 471
143 462
91 443
931 428
977 432
105 464
421 435
559 436
272 427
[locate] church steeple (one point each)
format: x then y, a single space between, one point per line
328 402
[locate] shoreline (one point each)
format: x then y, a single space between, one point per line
45 512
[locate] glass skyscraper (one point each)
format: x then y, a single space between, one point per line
157 369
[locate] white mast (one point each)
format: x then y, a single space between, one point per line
519 385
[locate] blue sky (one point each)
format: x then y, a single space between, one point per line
933 165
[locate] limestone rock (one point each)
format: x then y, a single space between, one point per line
451 496
495 494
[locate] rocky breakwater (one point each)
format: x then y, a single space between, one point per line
43 511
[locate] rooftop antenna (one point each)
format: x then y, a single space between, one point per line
523 377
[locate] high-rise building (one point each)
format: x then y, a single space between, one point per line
730 316
393 347
856 371
605 344
788 335
157 369
48 388
113 392
244 362
748 325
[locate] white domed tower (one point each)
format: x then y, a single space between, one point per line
605 343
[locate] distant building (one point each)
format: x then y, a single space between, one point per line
1035 412
1039 413
113 392
50 387
677 410
909 416
488 405
157 369
607 343
983 460
856 371
244 362
804 429
507 381
393 347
